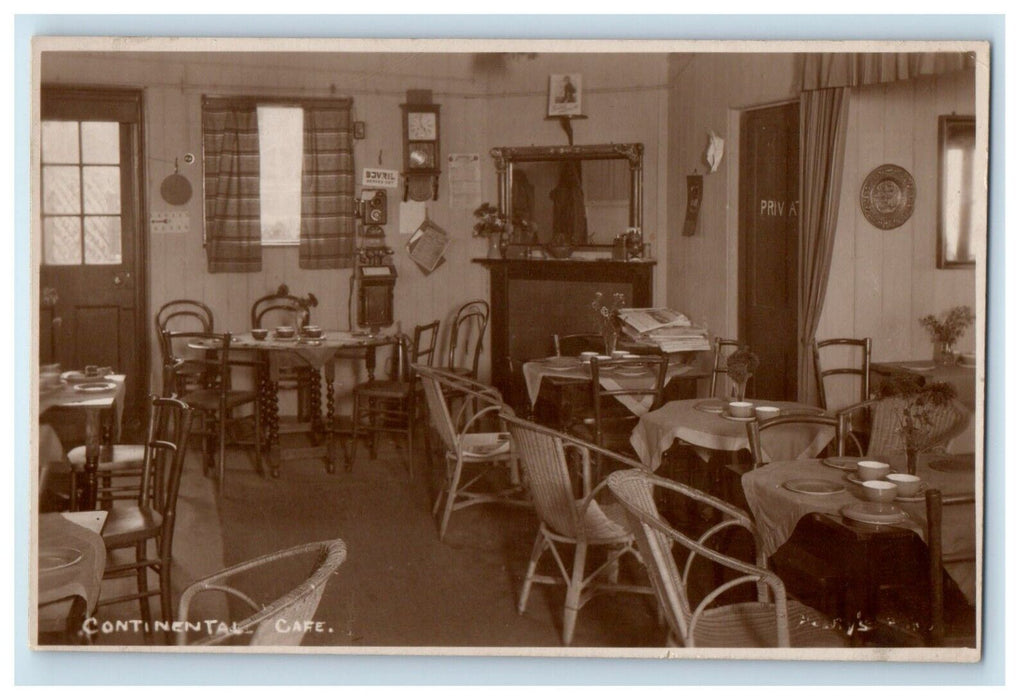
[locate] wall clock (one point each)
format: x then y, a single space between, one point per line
887 196
421 125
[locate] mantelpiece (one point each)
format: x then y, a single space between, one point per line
534 299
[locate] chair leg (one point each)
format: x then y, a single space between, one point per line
142 584
221 453
572 602
166 613
357 420
258 443
454 485
536 554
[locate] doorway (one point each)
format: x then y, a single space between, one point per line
769 247
92 276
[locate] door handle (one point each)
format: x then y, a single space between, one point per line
121 277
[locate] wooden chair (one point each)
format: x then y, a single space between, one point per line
181 314
939 634
150 515
719 358
280 621
756 428
574 344
216 401
571 516
391 405
610 422
458 425
467 337
771 620
860 369
282 308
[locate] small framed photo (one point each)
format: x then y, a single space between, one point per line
358 130
564 94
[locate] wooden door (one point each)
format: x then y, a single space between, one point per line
91 273
769 247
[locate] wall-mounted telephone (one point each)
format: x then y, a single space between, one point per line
374 273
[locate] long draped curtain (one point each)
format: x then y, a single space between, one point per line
822 123
827 70
327 225
231 186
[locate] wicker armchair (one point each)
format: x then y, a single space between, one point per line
571 517
771 620
947 421
271 623
457 407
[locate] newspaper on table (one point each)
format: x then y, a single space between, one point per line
427 246
668 329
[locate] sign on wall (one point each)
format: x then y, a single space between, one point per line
378 177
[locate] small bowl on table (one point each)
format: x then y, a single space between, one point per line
285 332
879 491
741 409
907 485
258 333
311 332
869 470
587 356
767 412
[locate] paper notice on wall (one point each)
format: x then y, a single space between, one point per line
427 246
464 180
411 216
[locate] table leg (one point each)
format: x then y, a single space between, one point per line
273 447
370 359
329 372
92 464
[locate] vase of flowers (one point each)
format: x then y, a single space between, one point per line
491 224
919 404
946 331
741 364
606 320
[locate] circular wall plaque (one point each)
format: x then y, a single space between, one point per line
888 196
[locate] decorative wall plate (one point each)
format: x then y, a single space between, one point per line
888 196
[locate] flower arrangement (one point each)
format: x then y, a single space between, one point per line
489 220
950 327
919 402
741 364
605 317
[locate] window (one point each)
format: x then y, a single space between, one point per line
280 134
81 186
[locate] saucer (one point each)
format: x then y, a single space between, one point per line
54 558
710 406
919 496
813 487
844 463
745 419
94 387
874 513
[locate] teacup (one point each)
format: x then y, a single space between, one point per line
285 332
741 409
258 333
311 331
96 371
619 354
908 485
880 491
767 412
588 355
870 470
49 376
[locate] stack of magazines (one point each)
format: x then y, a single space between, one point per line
668 329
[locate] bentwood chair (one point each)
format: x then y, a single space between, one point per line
274 621
458 409
181 314
467 337
392 405
616 384
557 471
722 349
150 515
809 424
848 373
702 614
282 308
216 401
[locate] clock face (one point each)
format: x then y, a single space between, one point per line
421 126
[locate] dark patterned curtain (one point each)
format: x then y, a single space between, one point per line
231 185
327 226
823 119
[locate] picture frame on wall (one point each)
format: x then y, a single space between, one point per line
564 94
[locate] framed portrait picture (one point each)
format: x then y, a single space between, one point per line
564 94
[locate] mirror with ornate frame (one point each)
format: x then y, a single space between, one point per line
956 145
581 196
